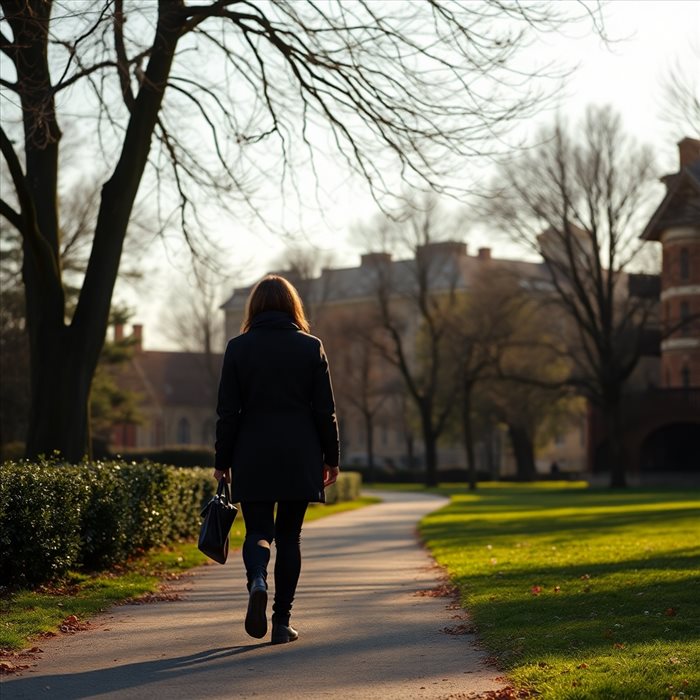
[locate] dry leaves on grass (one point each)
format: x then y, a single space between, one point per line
442 590
73 624
165 593
458 629
507 693
16 661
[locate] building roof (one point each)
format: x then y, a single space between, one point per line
681 204
172 378
450 268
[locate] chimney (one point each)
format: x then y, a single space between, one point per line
374 259
137 335
688 151
484 254
118 332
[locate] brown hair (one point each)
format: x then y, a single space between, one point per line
275 293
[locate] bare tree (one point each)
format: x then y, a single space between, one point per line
416 303
230 92
78 205
302 266
363 382
481 326
194 321
578 199
680 92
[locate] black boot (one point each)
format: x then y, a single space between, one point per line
256 617
282 631
281 634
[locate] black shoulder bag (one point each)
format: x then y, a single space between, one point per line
218 515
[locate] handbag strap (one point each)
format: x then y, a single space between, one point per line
223 489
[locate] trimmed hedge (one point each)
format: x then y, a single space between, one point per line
174 456
57 517
346 488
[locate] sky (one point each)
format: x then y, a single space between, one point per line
649 37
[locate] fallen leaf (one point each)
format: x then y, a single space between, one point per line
670 612
582 666
618 645
536 590
585 577
557 589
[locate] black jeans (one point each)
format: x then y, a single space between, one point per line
285 530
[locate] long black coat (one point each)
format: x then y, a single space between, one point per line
277 423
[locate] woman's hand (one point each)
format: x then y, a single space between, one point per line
330 475
223 473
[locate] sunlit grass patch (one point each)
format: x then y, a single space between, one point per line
580 593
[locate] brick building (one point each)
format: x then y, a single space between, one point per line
676 225
177 397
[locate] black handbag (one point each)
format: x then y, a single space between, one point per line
218 515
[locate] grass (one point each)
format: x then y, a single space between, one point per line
579 593
27 614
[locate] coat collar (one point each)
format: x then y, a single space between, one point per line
273 319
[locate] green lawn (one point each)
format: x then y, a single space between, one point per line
26 614
579 593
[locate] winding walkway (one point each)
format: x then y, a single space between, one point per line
364 632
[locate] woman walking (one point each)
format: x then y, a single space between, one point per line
276 440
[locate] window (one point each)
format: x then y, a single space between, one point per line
685 264
685 377
685 317
183 432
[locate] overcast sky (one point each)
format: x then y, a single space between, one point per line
652 36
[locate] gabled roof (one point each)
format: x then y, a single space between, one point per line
171 378
681 205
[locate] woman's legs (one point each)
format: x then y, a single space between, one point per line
290 516
259 526
259 533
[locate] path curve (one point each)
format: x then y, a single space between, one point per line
364 633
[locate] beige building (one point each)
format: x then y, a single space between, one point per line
341 302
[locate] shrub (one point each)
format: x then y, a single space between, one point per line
56 517
347 488
40 509
174 456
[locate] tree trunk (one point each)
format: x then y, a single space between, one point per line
369 434
524 452
430 444
64 358
61 379
467 435
616 454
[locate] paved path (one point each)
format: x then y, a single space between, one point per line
364 633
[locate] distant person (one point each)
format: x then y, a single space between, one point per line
276 441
